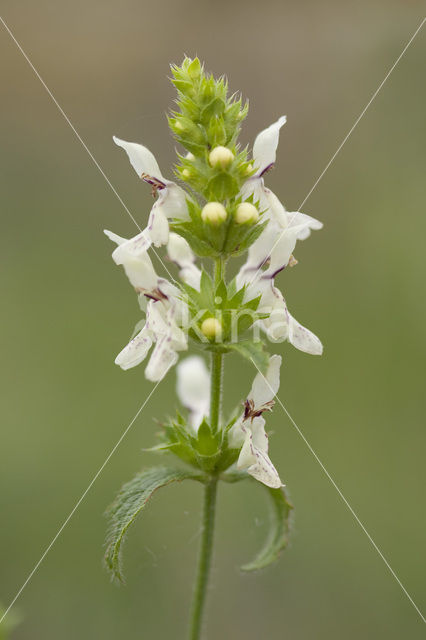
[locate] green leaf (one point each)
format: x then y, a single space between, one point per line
253 351
222 186
279 530
129 503
206 443
279 522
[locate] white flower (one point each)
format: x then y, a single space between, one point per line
280 324
181 254
133 256
193 389
166 312
171 201
254 455
161 328
249 430
277 242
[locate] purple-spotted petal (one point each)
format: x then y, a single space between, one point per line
303 339
254 455
135 352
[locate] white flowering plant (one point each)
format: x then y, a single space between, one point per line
219 211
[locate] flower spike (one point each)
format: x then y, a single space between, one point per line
220 209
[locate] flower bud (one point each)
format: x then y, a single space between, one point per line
214 213
211 328
246 212
220 157
190 156
186 173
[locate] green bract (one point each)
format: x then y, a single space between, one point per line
206 118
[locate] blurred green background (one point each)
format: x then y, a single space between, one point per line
67 311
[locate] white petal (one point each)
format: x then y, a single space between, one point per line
265 387
193 388
173 199
162 359
171 203
258 254
265 145
158 225
135 247
140 272
141 159
272 303
254 455
236 434
179 250
114 237
181 253
281 249
161 320
304 222
276 208
264 471
136 351
132 254
303 339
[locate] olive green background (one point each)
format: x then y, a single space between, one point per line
67 311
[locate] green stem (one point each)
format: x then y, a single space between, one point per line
204 559
215 390
219 270
206 545
216 362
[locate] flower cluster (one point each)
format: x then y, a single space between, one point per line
220 210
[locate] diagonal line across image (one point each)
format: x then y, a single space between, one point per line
330 478
76 506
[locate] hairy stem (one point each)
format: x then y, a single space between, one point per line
204 559
219 270
208 518
215 390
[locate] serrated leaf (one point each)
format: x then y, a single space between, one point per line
279 530
130 501
279 522
253 351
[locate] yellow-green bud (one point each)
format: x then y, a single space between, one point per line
221 157
249 169
246 212
214 213
190 156
186 173
211 328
